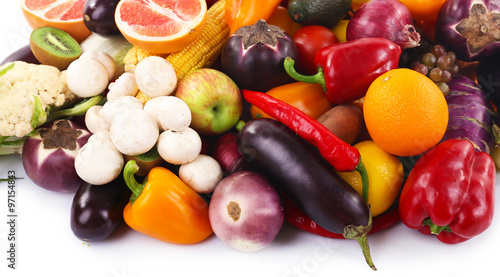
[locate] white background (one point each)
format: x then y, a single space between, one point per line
47 247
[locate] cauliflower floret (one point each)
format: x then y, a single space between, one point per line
17 89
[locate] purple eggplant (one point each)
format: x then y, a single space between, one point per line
97 210
99 17
488 78
22 54
49 154
471 115
469 28
253 56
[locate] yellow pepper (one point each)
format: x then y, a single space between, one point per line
241 13
165 208
385 173
309 98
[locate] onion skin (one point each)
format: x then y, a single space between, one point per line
471 115
246 212
454 12
225 151
53 168
388 19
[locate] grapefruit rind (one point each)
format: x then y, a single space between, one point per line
159 44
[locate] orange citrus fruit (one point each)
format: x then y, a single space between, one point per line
161 26
405 112
66 15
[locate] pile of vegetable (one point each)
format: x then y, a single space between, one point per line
232 142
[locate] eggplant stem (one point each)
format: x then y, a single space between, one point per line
364 179
239 125
129 170
318 78
360 234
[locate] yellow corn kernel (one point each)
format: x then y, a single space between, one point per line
142 97
134 56
206 48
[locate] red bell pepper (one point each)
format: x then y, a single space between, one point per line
346 70
450 192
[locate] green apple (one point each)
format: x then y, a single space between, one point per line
214 99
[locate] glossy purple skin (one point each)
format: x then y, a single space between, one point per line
471 115
22 54
261 216
450 14
260 67
54 171
99 17
97 210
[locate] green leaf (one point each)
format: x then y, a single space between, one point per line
6 69
39 114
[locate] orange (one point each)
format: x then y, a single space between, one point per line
161 26
66 15
405 112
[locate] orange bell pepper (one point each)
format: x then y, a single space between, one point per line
165 208
241 13
282 19
309 98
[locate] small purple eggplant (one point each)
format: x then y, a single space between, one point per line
49 155
254 55
470 28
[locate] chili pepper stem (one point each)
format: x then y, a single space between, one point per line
318 78
364 179
360 234
129 170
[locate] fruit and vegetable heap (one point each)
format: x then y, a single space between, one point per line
195 119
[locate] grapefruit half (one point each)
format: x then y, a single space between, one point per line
66 15
161 26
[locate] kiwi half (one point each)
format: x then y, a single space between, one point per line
52 46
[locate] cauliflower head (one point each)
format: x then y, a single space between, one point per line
18 88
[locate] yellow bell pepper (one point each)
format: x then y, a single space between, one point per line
241 13
165 208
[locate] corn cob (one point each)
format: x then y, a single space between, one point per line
207 46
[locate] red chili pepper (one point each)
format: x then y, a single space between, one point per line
341 155
297 218
346 70
450 192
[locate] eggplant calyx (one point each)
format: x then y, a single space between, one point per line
60 135
260 32
480 28
360 234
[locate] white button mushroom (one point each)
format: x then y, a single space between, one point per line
98 162
134 132
118 105
94 121
179 147
171 112
202 174
103 58
155 76
87 77
125 85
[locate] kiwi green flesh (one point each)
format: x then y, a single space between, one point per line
52 46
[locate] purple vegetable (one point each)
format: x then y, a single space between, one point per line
471 115
22 54
99 17
225 151
246 211
488 78
253 56
470 28
97 211
389 19
49 155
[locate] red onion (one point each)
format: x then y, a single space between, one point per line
225 151
389 19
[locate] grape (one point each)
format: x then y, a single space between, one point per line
438 50
453 56
436 74
421 68
429 60
444 62
446 76
454 69
445 89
